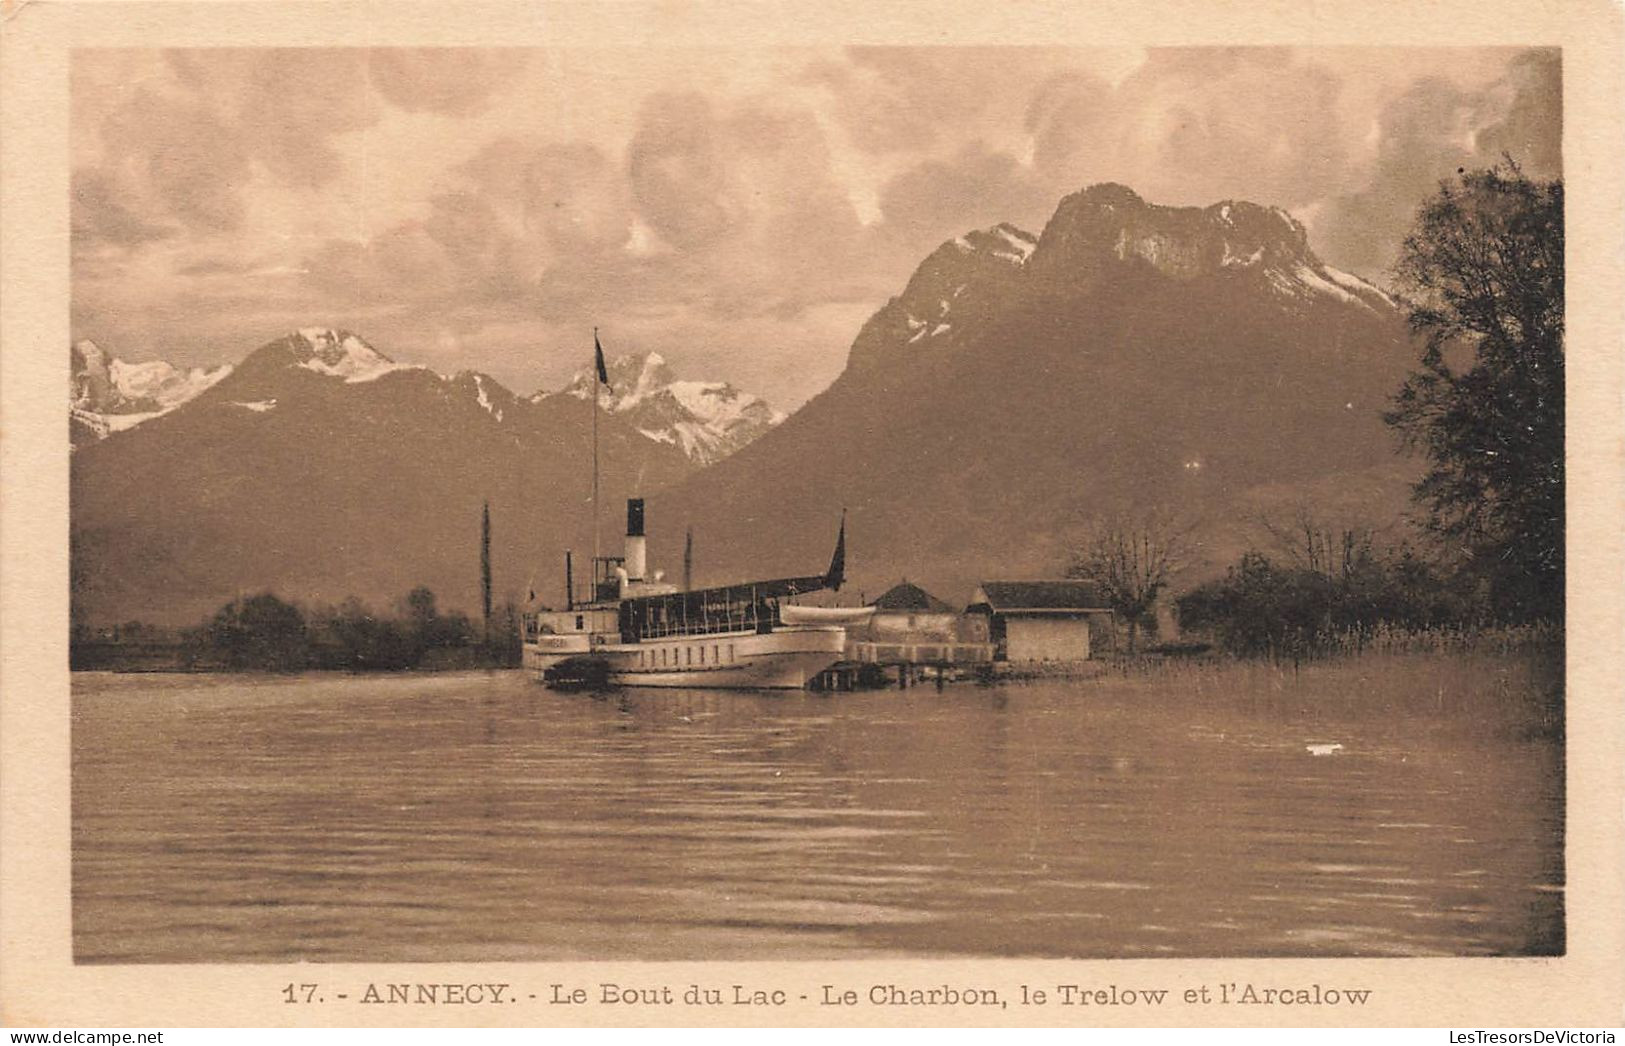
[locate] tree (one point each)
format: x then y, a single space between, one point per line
485 570
1260 609
1312 605
351 636
1131 561
260 632
420 609
1483 268
1334 551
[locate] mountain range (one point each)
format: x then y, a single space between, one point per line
1201 363
321 469
707 420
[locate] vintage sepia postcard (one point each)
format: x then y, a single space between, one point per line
776 514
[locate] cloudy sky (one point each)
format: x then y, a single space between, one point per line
741 212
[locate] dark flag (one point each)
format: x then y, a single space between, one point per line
598 358
837 564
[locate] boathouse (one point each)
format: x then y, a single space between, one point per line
906 610
1041 620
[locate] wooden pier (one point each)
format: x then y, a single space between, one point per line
874 664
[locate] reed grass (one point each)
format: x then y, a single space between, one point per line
1506 680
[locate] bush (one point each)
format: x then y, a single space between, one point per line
263 632
259 632
1262 609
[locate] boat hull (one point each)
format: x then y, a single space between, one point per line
785 659
541 653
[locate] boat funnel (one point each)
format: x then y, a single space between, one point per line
636 553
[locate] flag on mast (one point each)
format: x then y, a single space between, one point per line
603 378
598 358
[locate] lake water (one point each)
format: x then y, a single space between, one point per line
481 817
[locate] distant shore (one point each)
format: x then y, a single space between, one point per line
165 657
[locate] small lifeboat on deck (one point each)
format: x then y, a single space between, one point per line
792 614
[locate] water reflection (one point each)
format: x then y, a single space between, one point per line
478 817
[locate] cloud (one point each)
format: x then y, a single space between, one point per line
1530 125
1425 135
797 209
680 183
100 216
285 105
180 159
978 187
570 194
721 218
183 148
295 102
1069 116
1193 125
909 100
402 263
450 81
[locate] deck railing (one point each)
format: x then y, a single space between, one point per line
920 653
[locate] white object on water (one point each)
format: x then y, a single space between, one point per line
1325 749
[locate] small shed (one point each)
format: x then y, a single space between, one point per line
909 610
1041 620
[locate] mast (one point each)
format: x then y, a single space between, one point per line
597 370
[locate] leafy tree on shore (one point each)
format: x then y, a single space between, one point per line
259 632
1267 608
353 637
1484 270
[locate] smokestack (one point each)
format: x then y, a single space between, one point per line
636 553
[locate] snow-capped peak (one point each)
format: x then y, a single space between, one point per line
343 355
633 378
1106 224
106 384
653 376
110 395
161 382
708 420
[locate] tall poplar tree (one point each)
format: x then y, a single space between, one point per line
485 569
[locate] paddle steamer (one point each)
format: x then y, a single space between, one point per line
639 630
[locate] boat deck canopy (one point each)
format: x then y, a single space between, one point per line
727 608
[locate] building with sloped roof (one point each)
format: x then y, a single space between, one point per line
906 596
908 611
1042 620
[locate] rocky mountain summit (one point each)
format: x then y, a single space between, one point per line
1202 360
108 395
707 420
